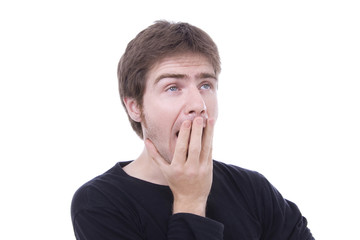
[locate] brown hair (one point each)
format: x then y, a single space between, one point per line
157 41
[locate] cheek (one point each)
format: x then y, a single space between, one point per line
212 107
160 116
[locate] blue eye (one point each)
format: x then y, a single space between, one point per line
172 89
205 86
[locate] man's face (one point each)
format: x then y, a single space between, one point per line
178 88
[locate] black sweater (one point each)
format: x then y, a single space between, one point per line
242 204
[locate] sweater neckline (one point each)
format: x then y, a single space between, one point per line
120 166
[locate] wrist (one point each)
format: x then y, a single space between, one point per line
193 207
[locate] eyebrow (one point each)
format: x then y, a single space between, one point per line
203 75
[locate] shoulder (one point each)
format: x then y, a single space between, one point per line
233 172
279 217
99 191
104 205
241 181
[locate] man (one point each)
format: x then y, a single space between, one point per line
168 79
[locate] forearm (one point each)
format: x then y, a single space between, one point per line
190 206
190 226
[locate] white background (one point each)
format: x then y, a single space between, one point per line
289 102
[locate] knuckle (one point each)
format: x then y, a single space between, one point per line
192 173
182 148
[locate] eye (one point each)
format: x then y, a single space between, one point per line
172 89
205 86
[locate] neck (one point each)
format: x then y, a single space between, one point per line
145 168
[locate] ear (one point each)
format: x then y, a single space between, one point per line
133 109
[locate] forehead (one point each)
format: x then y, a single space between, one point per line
186 63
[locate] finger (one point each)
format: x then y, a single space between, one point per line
206 149
155 155
195 140
182 143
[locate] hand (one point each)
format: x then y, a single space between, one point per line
189 174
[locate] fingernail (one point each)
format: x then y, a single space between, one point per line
200 121
187 124
211 121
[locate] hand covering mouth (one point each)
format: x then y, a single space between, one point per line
204 125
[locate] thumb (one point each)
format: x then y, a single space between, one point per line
155 155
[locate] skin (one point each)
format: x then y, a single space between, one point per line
178 118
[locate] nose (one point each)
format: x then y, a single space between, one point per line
195 104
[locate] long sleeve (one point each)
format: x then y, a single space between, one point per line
242 204
250 207
101 213
189 226
282 218
95 217
106 224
